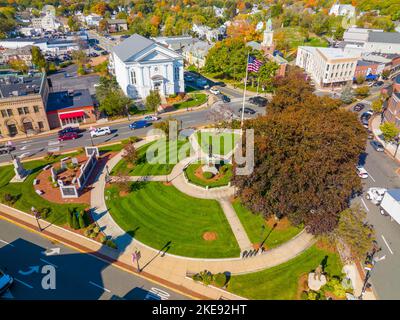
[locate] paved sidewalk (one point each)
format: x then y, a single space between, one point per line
389 147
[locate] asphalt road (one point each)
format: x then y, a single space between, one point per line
40 145
382 173
77 276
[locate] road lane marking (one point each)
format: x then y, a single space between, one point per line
7 243
371 177
45 261
387 245
24 283
98 286
363 202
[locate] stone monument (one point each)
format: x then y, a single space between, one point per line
20 172
316 279
210 166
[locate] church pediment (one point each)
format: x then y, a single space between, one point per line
155 56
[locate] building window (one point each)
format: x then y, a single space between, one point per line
9 112
133 77
4 113
26 110
327 67
36 109
20 111
40 124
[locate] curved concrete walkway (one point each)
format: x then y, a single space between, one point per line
175 267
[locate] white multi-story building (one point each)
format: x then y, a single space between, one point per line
141 65
369 40
342 10
47 22
92 20
328 66
208 33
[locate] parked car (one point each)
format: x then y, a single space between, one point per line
139 124
365 122
378 83
6 282
377 146
247 110
69 129
358 107
6 148
361 172
375 195
214 91
220 84
97 132
225 98
259 101
104 52
151 118
68 136
370 134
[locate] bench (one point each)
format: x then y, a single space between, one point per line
47 167
35 182
39 192
64 159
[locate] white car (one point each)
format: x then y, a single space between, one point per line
100 132
214 91
5 282
362 173
151 118
375 195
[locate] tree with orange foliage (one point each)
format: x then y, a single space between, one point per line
155 21
99 8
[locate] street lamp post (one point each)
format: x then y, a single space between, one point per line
37 217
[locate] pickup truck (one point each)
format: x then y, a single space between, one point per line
6 149
390 204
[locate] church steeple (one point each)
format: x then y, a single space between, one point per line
268 38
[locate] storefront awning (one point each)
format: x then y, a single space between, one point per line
70 115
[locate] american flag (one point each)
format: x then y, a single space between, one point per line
253 65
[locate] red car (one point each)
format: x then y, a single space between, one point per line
68 136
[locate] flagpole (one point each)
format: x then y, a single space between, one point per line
245 87
258 84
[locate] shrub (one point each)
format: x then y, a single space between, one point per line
207 175
49 178
335 286
96 229
81 221
205 277
75 222
103 239
44 212
87 233
81 150
91 227
220 279
9 198
93 235
110 243
313 295
69 217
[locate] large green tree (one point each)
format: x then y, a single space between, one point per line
38 58
153 100
111 98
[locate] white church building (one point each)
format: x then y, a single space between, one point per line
141 65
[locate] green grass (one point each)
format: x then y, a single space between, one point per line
111 148
253 224
218 141
281 282
144 168
27 195
156 214
317 42
222 181
197 100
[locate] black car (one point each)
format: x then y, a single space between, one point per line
370 134
259 101
226 98
365 122
366 115
378 83
67 130
358 107
247 111
103 53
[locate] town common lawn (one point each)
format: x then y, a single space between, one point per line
195 100
157 214
25 191
259 231
222 143
282 282
223 180
144 168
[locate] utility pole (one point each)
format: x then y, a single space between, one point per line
370 264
